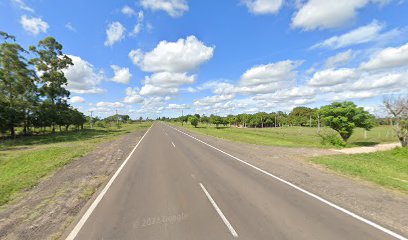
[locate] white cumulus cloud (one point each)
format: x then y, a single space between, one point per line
174 106
210 100
181 56
128 11
110 104
136 29
77 99
114 33
168 79
121 75
82 77
390 57
273 72
363 34
133 96
329 77
175 8
324 14
339 59
171 64
157 90
33 25
263 6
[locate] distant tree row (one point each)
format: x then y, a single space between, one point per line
342 117
299 116
33 91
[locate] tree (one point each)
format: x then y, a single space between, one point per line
302 116
343 117
193 120
78 118
7 36
205 119
183 119
217 120
260 119
17 88
232 120
398 109
50 63
243 119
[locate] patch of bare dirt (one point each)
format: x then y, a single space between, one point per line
376 148
383 206
46 210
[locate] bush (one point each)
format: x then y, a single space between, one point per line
332 139
100 124
193 120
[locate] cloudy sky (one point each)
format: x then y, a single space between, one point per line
158 57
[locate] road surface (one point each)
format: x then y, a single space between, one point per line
175 187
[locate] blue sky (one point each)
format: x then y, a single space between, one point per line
157 57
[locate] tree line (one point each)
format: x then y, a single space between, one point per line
33 90
343 117
299 116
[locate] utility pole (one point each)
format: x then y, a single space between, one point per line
310 121
91 120
182 117
318 124
275 121
117 118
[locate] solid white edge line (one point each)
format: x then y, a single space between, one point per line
224 219
88 212
354 215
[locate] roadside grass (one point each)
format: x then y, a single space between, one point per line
293 136
388 169
25 161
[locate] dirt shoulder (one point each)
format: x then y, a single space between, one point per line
376 148
385 207
46 210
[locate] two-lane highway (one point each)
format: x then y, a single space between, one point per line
175 187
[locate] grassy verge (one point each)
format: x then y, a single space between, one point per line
293 136
388 169
24 162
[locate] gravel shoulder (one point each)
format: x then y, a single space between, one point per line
45 211
383 206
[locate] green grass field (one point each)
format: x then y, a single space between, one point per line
293 136
388 169
25 161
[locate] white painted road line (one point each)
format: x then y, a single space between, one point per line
173 144
354 215
224 219
88 212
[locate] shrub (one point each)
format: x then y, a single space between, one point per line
100 124
193 120
332 139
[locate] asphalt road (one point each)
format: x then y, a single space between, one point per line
175 187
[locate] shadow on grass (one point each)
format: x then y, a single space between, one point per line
48 138
221 127
365 144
